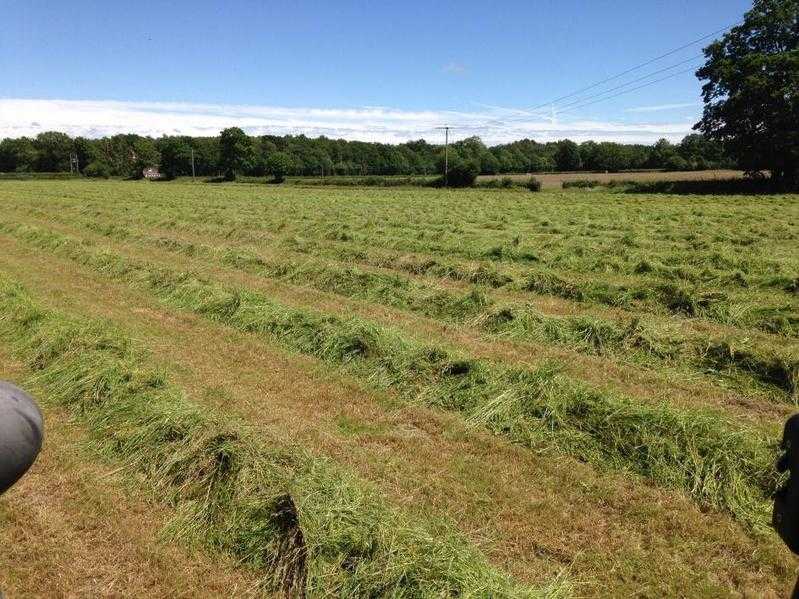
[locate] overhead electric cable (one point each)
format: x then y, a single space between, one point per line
627 91
634 68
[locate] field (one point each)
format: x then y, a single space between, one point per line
555 180
256 389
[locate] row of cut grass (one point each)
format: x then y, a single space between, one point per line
669 295
675 299
308 525
699 269
717 270
721 464
642 342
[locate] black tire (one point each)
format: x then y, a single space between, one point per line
21 434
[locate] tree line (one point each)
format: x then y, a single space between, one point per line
235 153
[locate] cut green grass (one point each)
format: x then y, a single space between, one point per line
635 340
308 525
721 464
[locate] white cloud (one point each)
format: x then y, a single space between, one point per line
662 107
96 118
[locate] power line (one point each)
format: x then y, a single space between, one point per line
502 124
633 69
627 91
609 90
623 85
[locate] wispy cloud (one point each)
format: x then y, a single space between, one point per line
663 107
96 118
455 68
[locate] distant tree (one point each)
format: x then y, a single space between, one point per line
473 149
236 152
567 156
206 155
85 150
262 147
505 160
53 149
278 164
675 162
541 163
175 156
489 165
701 153
636 155
462 172
751 92
662 153
18 155
610 157
588 155
97 169
126 155
144 154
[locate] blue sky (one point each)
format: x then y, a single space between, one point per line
370 70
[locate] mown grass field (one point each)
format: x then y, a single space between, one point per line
398 392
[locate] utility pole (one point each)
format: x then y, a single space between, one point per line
446 129
192 165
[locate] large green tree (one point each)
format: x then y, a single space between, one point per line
236 152
751 92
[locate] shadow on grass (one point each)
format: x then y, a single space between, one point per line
710 187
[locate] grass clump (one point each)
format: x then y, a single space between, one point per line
308 525
496 183
581 184
672 298
781 370
533 184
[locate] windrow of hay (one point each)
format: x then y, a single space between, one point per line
311 527
587 334
720 463
675 298
637 340
680 281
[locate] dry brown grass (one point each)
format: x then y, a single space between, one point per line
554 180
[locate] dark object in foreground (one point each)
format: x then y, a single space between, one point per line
21 432
785 517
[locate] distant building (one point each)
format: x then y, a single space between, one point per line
151 173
